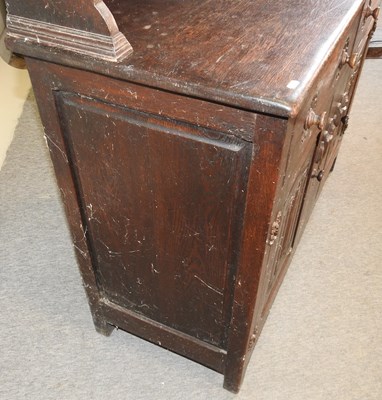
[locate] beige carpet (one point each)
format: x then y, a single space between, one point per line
323 338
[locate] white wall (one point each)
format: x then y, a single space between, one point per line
14 88
5 54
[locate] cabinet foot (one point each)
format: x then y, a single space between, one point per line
103 327
231 386
234 375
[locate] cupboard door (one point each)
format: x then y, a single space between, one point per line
161 203
283 232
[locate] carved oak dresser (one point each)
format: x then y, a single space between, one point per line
190 140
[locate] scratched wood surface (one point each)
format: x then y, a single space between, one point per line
247 52
258 55
160 210
185 212
84 27
79 14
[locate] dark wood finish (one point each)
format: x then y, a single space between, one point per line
206 242
178 178
170 53
86 27
189 170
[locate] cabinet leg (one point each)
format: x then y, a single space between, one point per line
103 327
232 382
234 374
231 387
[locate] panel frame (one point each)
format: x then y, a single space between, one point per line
48 79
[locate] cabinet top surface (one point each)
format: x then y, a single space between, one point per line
259 54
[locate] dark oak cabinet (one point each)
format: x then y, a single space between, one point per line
190 142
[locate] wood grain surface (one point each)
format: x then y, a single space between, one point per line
258 55
185 205
84 27
86 15
247 50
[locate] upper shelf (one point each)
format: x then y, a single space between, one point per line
259 55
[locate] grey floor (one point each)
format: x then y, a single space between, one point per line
323 338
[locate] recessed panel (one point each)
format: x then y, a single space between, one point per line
162 209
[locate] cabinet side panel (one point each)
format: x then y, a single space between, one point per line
159 200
